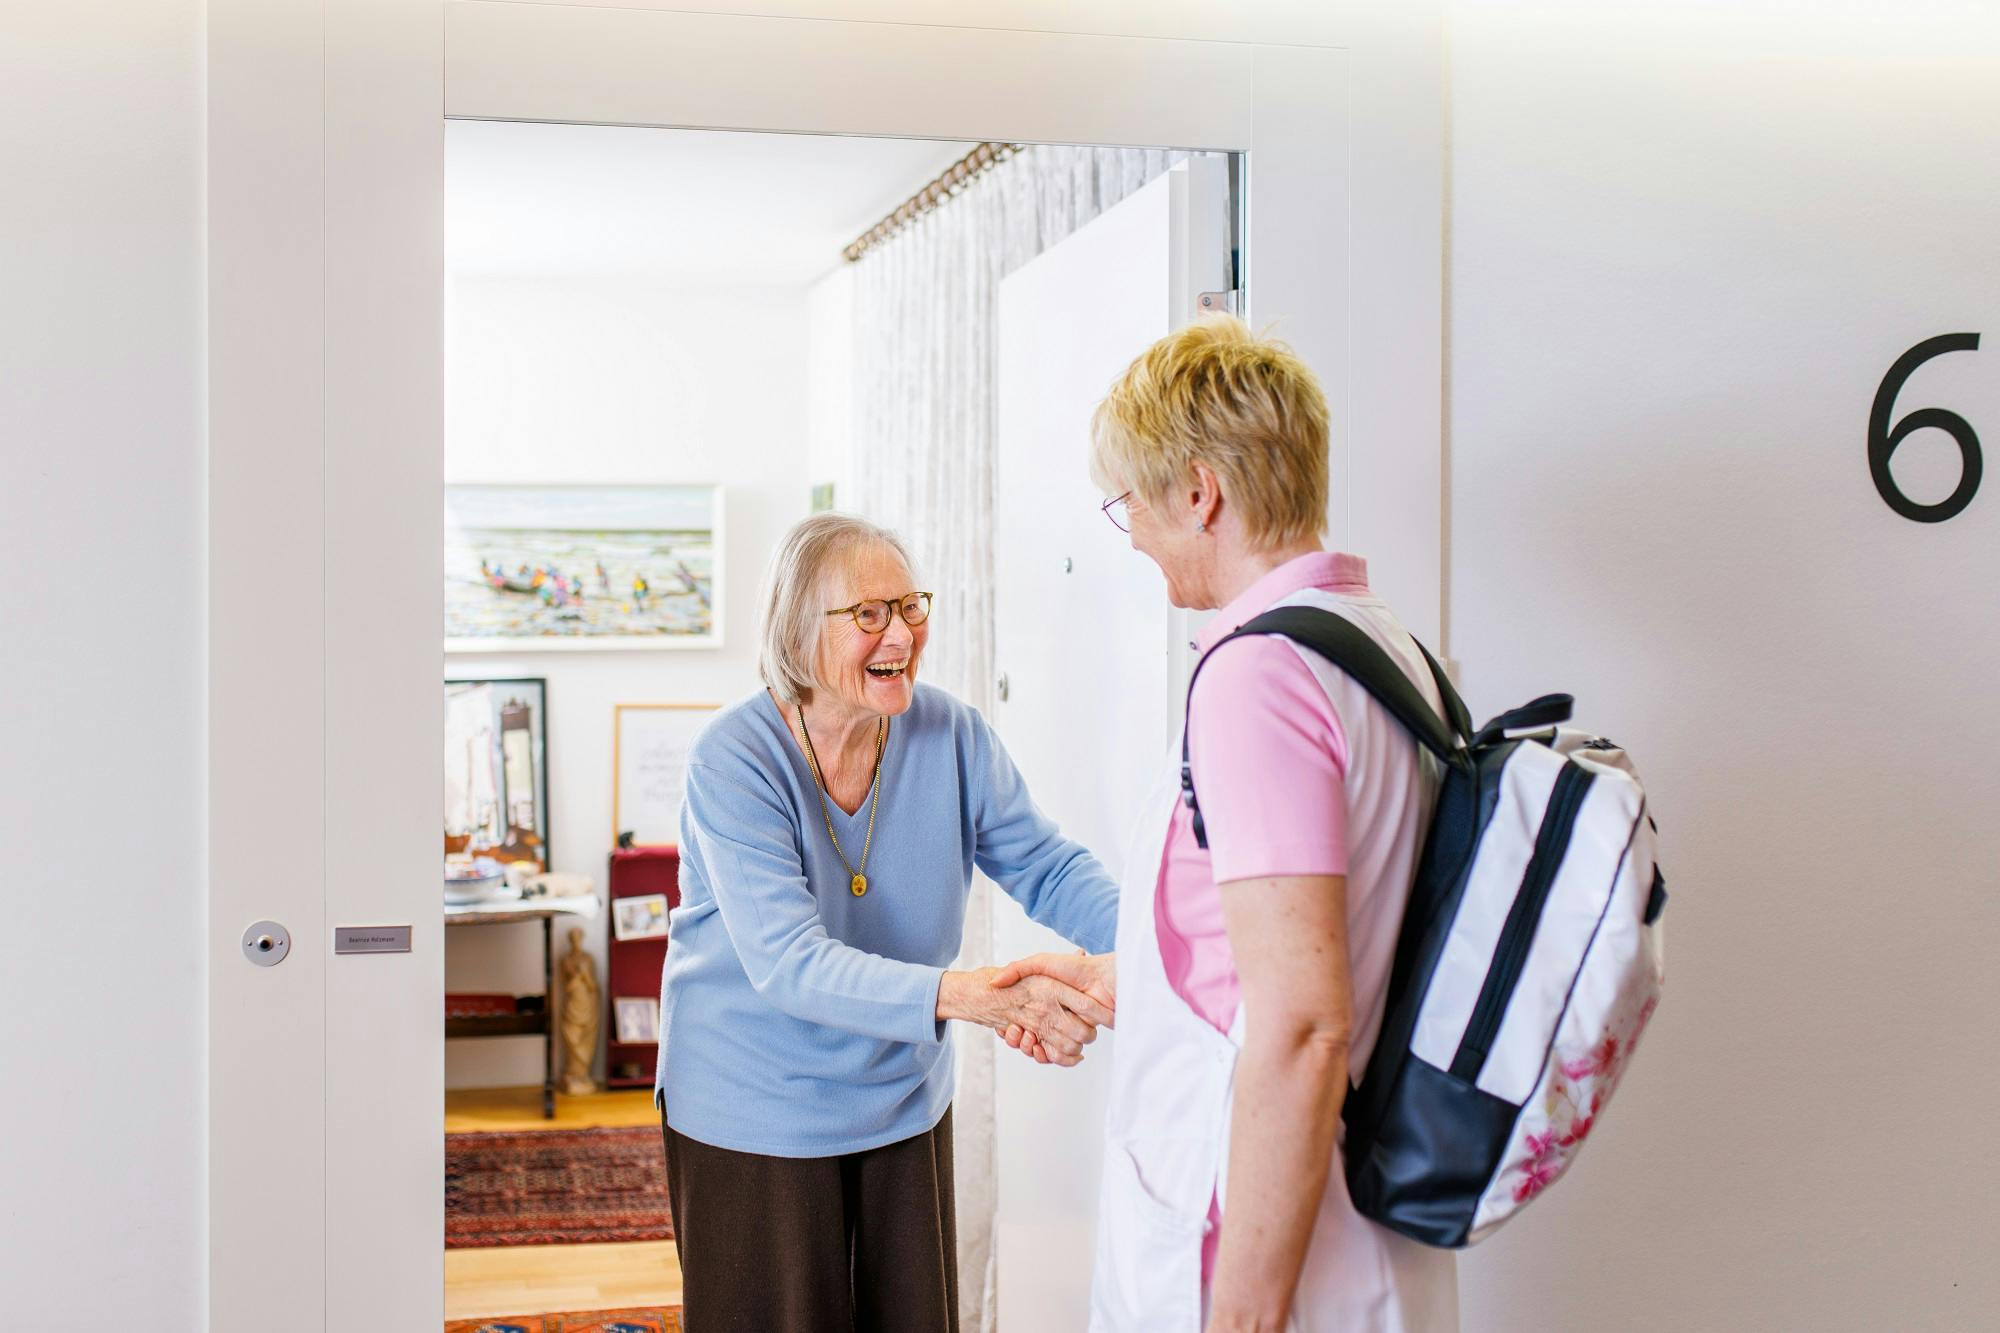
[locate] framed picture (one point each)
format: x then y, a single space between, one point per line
637 1019
496 769
582 567
641 918
649 750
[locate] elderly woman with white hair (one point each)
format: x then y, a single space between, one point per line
832 824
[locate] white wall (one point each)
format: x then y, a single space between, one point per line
101 697
1682 257
568 379
1686 242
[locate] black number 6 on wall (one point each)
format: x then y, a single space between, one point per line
1882 441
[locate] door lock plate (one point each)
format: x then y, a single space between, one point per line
266 943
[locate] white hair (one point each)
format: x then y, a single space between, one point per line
796 591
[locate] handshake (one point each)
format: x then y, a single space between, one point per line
1047 1006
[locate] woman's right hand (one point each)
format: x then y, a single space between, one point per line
1094 974
1065 1018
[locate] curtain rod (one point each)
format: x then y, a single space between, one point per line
948 183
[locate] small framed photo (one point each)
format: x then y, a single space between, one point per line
642 918
637 1019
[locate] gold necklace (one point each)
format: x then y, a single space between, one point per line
857 883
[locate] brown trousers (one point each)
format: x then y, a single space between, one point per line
862 1243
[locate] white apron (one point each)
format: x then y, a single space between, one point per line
1166 1153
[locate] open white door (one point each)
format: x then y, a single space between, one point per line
1086 643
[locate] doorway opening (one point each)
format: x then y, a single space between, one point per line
663 348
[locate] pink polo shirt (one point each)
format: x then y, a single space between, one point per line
1299 772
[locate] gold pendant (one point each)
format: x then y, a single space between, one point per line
859 885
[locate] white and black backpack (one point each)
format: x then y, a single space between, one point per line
1529 961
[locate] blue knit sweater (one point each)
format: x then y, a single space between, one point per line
797 1020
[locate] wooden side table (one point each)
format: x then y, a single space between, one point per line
544 910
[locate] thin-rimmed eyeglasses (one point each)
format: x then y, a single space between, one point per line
1119 511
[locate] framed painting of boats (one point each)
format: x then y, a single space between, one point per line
582 567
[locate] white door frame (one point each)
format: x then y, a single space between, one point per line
325 200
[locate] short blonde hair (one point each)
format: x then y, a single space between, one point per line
795 597
1218 394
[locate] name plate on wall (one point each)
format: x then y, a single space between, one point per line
371 939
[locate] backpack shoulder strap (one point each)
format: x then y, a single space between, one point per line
1349 647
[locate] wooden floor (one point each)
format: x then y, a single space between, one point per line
543 1279
469 1109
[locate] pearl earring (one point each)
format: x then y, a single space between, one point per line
1201 527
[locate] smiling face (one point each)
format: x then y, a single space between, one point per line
870 673
1171 541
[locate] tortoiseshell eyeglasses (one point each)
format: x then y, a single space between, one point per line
873 616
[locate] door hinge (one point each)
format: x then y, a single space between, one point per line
1220 303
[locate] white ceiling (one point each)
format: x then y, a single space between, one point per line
689 205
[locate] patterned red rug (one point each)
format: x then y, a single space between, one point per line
555 1187
653 1319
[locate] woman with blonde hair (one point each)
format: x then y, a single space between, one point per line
1252 967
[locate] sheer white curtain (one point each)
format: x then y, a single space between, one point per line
923 442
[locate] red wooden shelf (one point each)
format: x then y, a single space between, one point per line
634 966
497 1025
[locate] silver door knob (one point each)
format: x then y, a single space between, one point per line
1000 687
